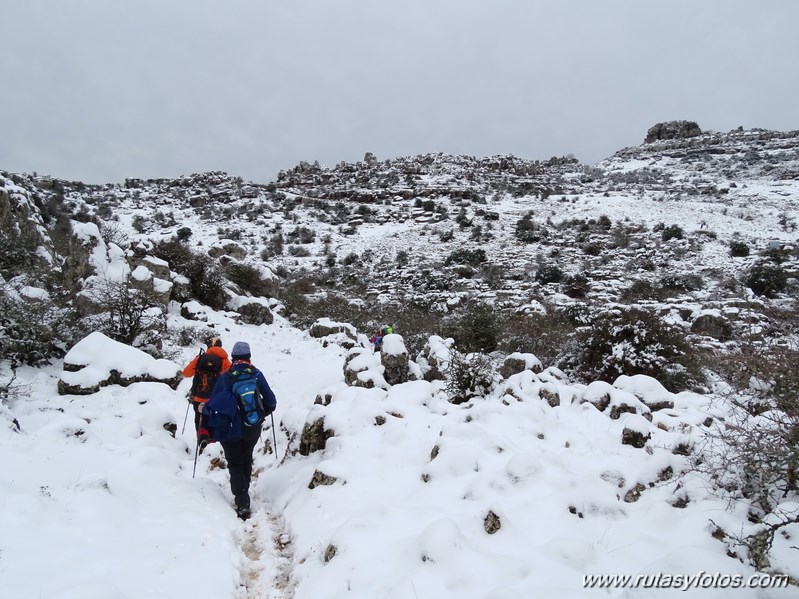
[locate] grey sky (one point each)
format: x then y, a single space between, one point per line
100 90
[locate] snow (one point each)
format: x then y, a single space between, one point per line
104 488
97 355
394 345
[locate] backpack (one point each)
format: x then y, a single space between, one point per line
245 388
205 374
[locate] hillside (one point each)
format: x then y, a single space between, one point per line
594 373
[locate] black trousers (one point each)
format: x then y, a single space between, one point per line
238 454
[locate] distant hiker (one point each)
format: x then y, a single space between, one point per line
387 329
377 340
205 368
240 402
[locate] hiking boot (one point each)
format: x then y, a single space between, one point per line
243 512
203 439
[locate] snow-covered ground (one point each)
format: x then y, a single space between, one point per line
502 497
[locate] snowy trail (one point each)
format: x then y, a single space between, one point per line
297 368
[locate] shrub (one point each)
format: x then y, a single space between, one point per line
528 231
350 259
475 330
206 281
302 235
464 256
682 282
124 312
469 376
298 251
545 335
639 289
576 286
738 249
752 456
175 252
633 341
603 222
672 232
548 273
32 331
766 279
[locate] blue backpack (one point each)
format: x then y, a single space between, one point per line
245 388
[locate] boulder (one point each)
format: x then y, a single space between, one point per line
672 130
227 247
324 327
518 362
394 357
712 325
636 431
255 313
98 361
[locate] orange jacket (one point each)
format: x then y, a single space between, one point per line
191 367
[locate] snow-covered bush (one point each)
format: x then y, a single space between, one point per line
469 375
33 327
628 341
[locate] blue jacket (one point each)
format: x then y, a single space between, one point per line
222 413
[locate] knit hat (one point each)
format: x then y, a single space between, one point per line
240 349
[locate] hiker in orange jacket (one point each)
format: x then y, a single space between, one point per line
215 348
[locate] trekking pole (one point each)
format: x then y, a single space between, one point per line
274 434
185 418
196 453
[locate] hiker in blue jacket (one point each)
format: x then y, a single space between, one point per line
228 421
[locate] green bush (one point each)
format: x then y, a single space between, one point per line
549 273
633 341
767 279
464 256
528 231
476 329
672 232
738 249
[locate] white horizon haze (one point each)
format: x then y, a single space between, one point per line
99 91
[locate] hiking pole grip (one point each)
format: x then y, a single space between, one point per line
274 434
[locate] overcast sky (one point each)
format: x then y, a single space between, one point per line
100 90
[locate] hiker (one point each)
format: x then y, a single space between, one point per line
205 368
377 340
240 402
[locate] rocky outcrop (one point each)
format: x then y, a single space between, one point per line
314 436
672 130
